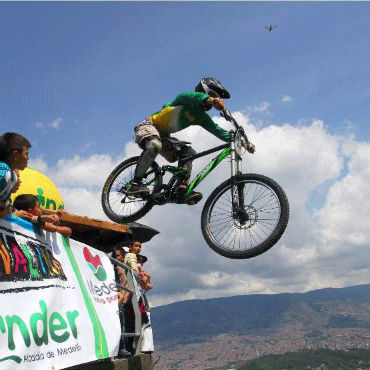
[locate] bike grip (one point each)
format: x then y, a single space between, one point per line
251 148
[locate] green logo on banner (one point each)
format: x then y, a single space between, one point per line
95 265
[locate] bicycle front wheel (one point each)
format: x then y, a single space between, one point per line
251 232
119 206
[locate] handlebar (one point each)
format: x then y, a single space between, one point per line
227 115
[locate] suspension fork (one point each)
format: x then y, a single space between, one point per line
237 189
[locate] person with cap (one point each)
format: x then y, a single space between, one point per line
144 276
153 134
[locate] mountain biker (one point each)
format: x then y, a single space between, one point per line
153 134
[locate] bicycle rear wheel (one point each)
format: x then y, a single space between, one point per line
265 214
120 207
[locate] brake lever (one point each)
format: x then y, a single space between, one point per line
251 148
227 115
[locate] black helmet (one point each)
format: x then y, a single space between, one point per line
212 87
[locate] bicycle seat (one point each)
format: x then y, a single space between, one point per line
175 141
179 146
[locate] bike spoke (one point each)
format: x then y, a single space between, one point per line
118 201
233 233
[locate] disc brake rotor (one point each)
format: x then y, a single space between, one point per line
251 219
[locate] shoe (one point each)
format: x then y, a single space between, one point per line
193 198
190 199
137 189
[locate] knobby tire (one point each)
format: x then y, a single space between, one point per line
131 209
265 223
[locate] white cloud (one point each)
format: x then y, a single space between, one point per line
263 107
344 215
56 123
329 248
286 99
39 124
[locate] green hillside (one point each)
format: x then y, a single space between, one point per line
198 320
306 360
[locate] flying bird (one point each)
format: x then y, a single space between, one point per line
270 27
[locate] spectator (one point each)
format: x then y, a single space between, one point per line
13 157
141 259
145 277
14 150
123 296
135 261
131 260
30 204
131 256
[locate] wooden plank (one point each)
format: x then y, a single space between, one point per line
69 219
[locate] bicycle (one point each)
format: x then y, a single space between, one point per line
242 218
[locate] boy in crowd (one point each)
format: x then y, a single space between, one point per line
14 150
13 156
30 204
131 260
134 260
131 256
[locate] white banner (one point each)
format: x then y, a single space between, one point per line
58 301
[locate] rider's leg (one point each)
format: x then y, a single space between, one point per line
152 147
194 196
187 152
169 152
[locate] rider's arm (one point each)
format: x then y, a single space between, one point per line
212 127
217 103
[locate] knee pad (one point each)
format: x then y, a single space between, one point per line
154 146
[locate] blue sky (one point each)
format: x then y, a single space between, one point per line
95 69
76 77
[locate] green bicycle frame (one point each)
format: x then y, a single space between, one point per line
227 150
209 168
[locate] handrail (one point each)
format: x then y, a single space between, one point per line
118 263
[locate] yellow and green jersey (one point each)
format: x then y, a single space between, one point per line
186 110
